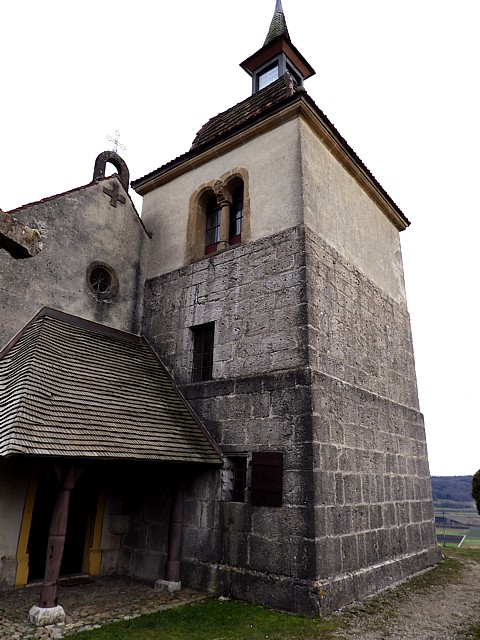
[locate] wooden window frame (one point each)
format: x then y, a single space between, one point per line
236 216
213 220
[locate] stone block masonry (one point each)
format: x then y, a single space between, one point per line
311 360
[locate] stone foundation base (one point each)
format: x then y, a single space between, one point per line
42 617
308 597
164 585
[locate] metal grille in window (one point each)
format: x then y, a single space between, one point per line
100 280
267 479
239 479
203 339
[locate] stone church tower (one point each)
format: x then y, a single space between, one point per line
275 297
233 387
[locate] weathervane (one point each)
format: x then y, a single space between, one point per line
116 143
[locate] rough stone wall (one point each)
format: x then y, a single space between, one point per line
81 227
357 333
313 360
374 510
372 482
261 552
259 400
255 294
372 486
137 515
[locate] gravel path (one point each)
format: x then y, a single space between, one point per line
443 612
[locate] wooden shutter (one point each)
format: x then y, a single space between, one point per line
267 479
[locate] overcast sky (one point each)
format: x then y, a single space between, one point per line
399 79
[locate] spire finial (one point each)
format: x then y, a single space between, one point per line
278 26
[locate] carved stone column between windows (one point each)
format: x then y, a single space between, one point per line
222 199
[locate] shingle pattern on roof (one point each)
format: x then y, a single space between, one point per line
67 390
245 111
278 26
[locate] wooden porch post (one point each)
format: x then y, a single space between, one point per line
56 538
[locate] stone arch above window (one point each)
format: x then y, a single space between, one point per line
219 215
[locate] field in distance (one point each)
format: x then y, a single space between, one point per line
456 517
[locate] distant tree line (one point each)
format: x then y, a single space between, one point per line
455 488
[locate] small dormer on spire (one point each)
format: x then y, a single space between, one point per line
277 56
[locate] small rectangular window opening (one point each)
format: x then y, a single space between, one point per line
267 77
239 479
235 478
203 341
267 479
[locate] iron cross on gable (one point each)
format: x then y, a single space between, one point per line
116 143
114 194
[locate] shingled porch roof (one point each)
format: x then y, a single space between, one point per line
74 388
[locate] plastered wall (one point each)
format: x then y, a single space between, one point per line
271 160
340 211
80 228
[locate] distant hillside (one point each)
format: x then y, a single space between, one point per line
456 488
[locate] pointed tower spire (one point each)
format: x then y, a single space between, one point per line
277 57
278 26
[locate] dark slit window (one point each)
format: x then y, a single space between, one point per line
239 479
203 338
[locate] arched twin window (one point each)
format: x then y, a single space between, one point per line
219 215
224 219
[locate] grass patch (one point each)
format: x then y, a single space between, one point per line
214 620
446 572
464 553
473 538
